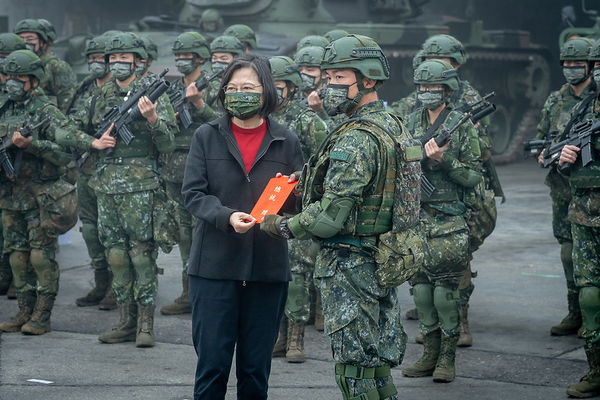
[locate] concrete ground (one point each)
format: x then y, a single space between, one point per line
520 292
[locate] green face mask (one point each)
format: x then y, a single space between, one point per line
308 82
16 90
141 69
596 72
185 65
242 105
574 75
336 99
218 66
121 70
431 99
97 69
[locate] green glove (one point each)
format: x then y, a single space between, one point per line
272 226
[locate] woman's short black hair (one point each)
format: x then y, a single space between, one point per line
263 69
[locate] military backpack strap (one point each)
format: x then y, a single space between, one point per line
430 132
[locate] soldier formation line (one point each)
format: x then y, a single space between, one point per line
390 193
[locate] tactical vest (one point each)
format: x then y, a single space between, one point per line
586 178
374 214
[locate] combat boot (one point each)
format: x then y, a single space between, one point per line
181 305
109 302
26 301
145 326
572 322
40 319
589 385
465 339
126 330
444 369
426 364
412 314
295 342
281 344
101 285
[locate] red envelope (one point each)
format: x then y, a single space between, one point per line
272 198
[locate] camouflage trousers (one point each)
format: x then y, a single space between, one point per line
87 207
5 272
560 193
302 255
362 319
184 222
125 230
586 263
31 250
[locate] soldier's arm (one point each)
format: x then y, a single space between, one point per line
44 145
164 129
465 168
318 130
350 171
543 127
64 84
71 132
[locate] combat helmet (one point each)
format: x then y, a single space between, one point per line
191 42
49 28
227 44
595 52
24 62
284 69
211 15
150 47
436 72
95 45
417 59
335 34
576 49
445 46
31 25
310 56
244 33
358 52
312 40
10 42
125 42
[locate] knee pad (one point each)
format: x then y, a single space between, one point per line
446 304
566 256
118 259
18 260
589 302
423 296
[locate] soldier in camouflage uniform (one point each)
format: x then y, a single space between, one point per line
244 34
407 105
37 204
101 294
223 49
481 215
211 22
142 69
584 215
555 116
191 51
343 190
9 42
311 131
450 168
126 182
59 81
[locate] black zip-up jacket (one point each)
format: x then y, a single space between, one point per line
215 185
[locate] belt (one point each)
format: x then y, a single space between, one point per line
139 161
365 245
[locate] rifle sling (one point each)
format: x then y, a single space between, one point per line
577 115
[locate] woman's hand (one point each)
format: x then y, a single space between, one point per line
291 179
241 222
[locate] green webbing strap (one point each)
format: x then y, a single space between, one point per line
354 371
387 391
382 372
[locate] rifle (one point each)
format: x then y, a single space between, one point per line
179 103
128 112
580 136
474 112
12 170
535 147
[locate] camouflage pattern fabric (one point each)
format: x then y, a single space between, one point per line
59 82
211 94
586 256
87 204
5 271
185 222
362 319
405 106
84 89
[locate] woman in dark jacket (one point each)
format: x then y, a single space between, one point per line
238 275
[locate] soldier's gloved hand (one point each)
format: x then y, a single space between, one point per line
276 227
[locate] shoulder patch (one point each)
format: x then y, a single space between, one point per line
413 153
339 155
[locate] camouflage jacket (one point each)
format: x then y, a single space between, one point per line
43 161
211 94
460 166
173 163
60 81
83 91
405 106
350 155
584 208
128 168
308 126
